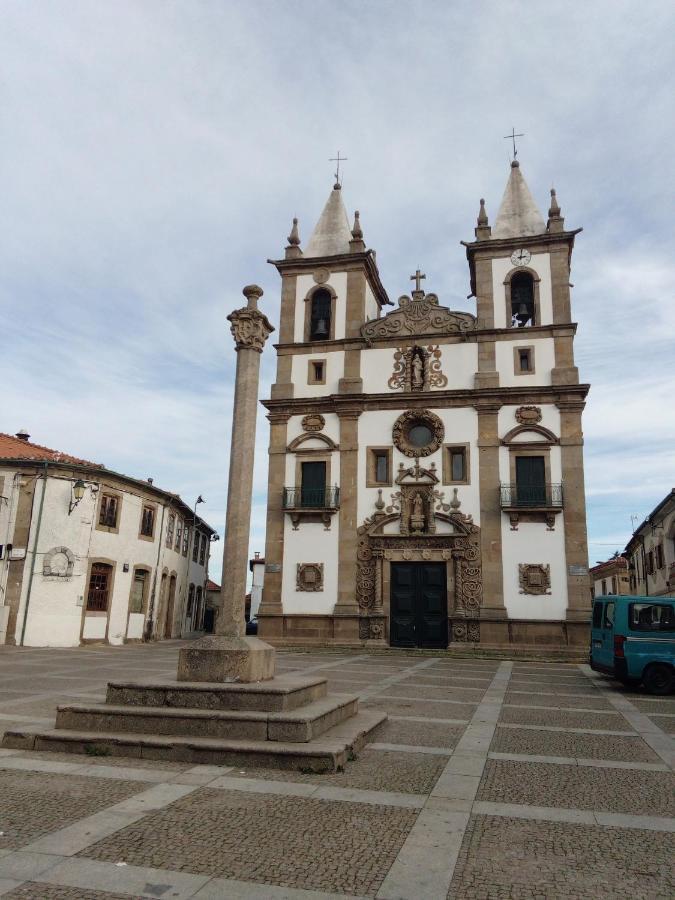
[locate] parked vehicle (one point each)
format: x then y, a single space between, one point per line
633 639
252 626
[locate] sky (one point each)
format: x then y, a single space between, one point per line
154 153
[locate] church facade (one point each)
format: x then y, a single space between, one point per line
426 481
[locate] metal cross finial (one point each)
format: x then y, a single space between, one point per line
338 159
417 278
513 137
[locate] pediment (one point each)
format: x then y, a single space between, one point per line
524 434
419 314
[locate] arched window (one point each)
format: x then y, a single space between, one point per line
319 323
522 300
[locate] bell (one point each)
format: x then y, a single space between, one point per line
523 314
321 330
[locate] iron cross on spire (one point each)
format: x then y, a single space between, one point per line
513 137
338 159
417 278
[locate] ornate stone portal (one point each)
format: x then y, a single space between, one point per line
417 369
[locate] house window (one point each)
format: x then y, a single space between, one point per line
170 526
191 599
378 466
313 484
531 481
659 556
202 550
138 588
108 513
317 371
522 300
455 465
99 587
319 321
650 563
195 548
186 539
148 521
614 590
523 360
179 535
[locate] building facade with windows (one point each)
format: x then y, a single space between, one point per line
87 554
610 577
426 480
651 552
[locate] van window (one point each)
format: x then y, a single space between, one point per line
651 617
609 615
597 615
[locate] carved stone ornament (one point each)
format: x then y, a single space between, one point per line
313 422
58 563
419 314
250 329
528 415
409 420
321 275
309 577
417 369
371 628
534 578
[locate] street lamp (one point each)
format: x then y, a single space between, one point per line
77 494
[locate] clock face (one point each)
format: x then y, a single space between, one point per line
521 257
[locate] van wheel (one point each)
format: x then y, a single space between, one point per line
658 679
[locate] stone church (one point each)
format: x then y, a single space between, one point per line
426 481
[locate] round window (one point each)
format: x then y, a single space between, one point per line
420 435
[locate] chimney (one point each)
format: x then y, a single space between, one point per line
22 435
150 480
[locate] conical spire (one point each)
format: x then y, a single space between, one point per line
555 223
518 215
483 230
332 234
554 209
294 236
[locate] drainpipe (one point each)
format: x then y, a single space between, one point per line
149 624
35 548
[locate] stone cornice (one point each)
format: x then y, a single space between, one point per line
343 263
486 399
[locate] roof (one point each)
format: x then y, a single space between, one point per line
518 214
649 519
212 586
332 234
258 560
15 448
618 562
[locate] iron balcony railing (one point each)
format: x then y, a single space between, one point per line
530 496
311 498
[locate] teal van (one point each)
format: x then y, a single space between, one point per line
633 639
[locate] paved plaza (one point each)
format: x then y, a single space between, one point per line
490 779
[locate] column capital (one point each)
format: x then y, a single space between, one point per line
487 405
571 404
250 328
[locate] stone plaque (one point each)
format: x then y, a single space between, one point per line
273 568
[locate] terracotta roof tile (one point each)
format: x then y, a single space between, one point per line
212 586
14 448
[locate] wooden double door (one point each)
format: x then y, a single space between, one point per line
418 605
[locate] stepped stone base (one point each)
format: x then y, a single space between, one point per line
217 658
287 722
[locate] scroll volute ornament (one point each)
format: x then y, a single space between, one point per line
250 328
528 415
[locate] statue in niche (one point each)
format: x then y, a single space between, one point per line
417 371
417 517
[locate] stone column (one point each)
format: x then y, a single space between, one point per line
574 512
490 518
229 655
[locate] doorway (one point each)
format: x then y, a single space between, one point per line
418 605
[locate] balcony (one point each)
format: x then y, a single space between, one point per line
534 502
311 504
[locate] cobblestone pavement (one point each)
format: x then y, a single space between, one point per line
491 779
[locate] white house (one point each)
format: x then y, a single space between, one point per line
426 468
87 554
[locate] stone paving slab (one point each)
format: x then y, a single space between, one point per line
502 857
428 734
562 718
651 706
309 844
419 707
607 790
525 698
32 890
592 746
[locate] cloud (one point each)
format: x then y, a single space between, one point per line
154 154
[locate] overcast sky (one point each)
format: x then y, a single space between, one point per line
154 153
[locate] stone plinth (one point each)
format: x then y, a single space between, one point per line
222 658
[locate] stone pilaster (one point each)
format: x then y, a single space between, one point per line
284 383
346 605
229 655
564 372
487 375
491 514
576 541
355 316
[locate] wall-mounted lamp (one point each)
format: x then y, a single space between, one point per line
77 491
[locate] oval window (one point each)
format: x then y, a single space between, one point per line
420 435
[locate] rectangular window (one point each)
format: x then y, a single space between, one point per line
138 591
313 486
604 586
195 548
202 550
523 360
148 521
186 539
614 584
456 465
609 615
108 513
651 617
170 526
650 563
378 466
597 615
531 480
659 556
179 535
316 373
99 587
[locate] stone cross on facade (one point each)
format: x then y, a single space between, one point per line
417 278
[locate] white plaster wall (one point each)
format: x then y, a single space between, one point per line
459 363
331 428
372 306
544 361
461 427
541 264
550 418
311 543
533 543
305 283
334 371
